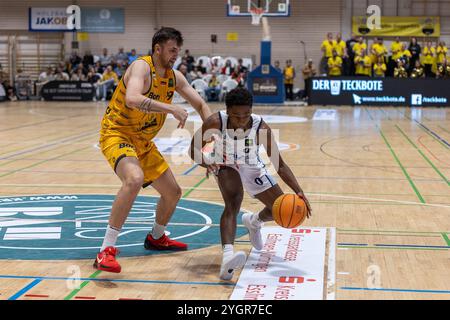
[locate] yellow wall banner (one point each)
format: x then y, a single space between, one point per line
82 36
399 27
232 36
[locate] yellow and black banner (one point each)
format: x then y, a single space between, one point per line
397 26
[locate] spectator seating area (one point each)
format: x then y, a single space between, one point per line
212 76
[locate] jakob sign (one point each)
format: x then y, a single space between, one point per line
74 18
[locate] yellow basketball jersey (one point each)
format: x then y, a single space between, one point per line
131 121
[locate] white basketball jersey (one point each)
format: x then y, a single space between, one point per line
243 151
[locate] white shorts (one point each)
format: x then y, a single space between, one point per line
254 179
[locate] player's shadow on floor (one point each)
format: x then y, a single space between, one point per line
107 284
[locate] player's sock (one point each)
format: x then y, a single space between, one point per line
158 230
228 250
110 237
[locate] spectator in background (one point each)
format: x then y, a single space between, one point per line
359 46
213 90
215 68
289 76
108 81
60 75
121 57
341 47
441 52
335 65
132 56
349 65
327 50
200 67
241 71
396 53
406 57
308 71
238 77
379 68
120 68
363 64
196 73
227 68
63 66
443 69
277 66
189 60
418 70
415 50
44 77
99 68
378 49
428 56
240 66
105 59
10 91
74 60
81 67
47 75
184 71
88 59
23 85
92 76
400 70
78 75
94 79
3 95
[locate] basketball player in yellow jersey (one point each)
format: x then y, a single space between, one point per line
134 116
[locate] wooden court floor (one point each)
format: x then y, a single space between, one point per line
380 176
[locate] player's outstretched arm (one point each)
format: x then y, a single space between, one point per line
134 82
207 133
267 139
191 96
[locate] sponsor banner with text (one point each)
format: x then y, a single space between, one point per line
398 27
379 91
290 266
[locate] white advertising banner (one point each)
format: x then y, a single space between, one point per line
290 267
48 19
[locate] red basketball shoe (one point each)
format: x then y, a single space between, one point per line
106 260
163 243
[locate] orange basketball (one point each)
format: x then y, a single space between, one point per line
289 211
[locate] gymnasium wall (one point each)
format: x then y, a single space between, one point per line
310 20
197 19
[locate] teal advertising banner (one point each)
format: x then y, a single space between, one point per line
102 20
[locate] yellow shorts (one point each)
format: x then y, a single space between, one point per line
115 146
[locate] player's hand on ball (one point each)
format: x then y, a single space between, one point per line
302 195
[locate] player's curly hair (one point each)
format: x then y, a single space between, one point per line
238 97
164 34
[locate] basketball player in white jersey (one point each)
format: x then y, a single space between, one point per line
236 163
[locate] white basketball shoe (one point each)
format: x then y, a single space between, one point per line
254 230
231 263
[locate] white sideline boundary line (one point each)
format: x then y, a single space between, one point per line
331 276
